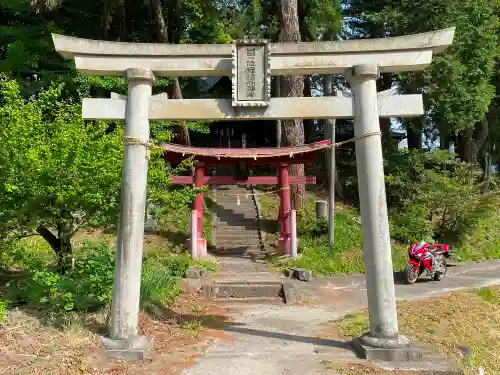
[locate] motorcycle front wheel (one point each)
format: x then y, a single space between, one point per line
410 274
441 272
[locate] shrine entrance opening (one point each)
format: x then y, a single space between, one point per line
251 64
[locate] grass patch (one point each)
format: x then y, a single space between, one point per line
345 257
490 295
469 319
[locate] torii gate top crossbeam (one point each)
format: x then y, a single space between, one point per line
397 54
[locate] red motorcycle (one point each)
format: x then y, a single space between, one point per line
427 258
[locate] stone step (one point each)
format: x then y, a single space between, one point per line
228 235
238 246
250 300
244 290
226 205
236 230
237 236
251 256
237 214
242 247
237 221
228 249
263 276
243 267
219 227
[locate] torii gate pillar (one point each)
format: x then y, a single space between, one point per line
124 340
374 218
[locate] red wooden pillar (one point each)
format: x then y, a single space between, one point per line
285 207
199 177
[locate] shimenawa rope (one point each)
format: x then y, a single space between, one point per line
150 144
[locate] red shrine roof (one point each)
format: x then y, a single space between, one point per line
265 155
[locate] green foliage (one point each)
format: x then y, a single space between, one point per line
346 256
484 242
3 311
159 285
94 272
411 224
458 83
15 255
177 264
54 168
354 325
59 173
435 196
89 285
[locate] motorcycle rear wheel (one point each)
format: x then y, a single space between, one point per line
410 274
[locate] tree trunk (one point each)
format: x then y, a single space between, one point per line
486 167
468 148
385 83
309 131
292 86
61 246
278 122
444 140
182 133
166 33
414 138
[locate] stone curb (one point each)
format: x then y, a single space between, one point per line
262 234
214 215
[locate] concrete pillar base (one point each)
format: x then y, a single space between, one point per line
283 245
135 349
391 350
202 247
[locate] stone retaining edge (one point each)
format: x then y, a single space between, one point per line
256 201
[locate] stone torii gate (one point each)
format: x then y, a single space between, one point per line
251 65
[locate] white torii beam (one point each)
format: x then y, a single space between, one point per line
398 54
161 108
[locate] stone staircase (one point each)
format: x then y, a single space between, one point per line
244 275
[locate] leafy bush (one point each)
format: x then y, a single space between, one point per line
94 272
176 264
15 254
64 174
89 285
434 194
413 224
